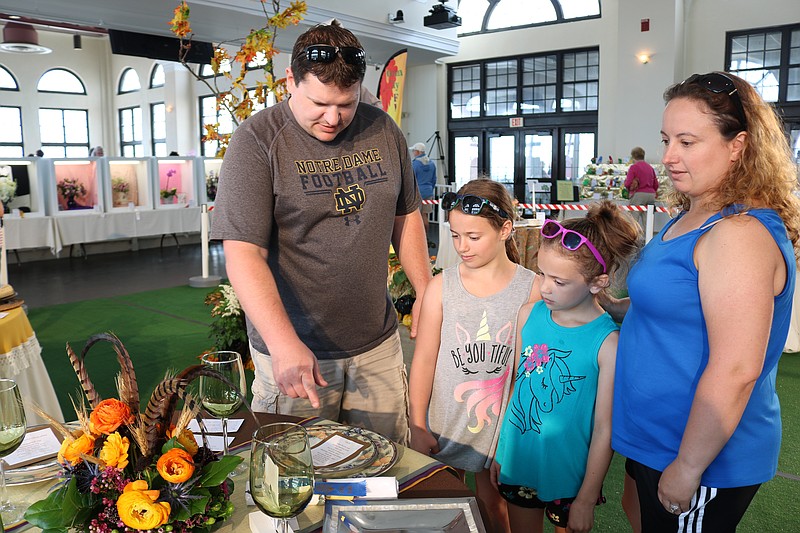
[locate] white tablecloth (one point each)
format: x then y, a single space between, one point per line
31 232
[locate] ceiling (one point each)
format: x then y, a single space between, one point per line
228 20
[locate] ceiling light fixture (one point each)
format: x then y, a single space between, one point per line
19 38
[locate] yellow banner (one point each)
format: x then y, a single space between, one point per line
390 86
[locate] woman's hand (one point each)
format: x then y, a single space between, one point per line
677 486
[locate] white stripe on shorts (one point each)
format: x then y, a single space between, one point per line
691 521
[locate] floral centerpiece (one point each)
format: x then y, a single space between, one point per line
8 187
126 471
228 326
212 180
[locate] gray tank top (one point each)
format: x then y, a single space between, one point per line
474 368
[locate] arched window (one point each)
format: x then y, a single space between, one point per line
157 76
59 80
129 81
478 16
7 81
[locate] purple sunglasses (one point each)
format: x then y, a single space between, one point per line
570 239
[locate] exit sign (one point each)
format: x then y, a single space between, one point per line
515 122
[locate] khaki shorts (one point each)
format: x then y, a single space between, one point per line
368 390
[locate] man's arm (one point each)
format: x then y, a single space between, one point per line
411 244
295 367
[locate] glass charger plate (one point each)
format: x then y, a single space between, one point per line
377 454
451 515
44 470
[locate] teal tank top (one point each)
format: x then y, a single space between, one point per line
547 426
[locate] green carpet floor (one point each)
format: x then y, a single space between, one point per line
168 329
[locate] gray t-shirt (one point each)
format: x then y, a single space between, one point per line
474 368
325 213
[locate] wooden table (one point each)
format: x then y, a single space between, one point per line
418 476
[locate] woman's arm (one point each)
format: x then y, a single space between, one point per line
423 367
741 269
581 516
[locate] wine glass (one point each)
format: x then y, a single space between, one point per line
281 471
219 398
12 433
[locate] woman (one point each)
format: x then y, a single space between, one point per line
695 409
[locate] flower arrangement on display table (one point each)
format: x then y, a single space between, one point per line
400 289
168 192
120 185
212 181
71 188
228 325
126 471
8 187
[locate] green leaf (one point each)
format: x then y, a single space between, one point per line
171 443
199 505
216 472
47 514
76 507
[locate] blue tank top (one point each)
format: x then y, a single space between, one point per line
663 350
547 426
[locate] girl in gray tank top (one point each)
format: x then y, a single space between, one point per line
464 357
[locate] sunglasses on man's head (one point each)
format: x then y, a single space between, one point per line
470 204
718 83
570 239
326 53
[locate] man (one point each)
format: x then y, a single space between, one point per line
312 191
425 172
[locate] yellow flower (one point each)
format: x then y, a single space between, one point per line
115 451
71 450
108 416
175 466
138 508
185 439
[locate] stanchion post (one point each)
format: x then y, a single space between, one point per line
205 280
649 223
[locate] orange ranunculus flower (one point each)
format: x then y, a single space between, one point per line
185 439
175 466
71 450
138 508
115 451
108 416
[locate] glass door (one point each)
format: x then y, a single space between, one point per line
465 157
502 161
537 163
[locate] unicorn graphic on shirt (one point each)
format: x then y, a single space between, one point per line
483 397
544 374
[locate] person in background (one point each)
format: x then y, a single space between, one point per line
641 180
555 440
464 354
695 407
39 153
97 151
425 172
311 193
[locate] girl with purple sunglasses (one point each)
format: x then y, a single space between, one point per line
555 440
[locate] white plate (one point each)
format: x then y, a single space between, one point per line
378 453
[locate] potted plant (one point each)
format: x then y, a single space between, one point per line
70 189
168 193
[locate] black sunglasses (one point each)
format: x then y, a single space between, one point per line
470 204
720 83
326 53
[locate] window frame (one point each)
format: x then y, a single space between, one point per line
123 75
134 142
48 91
155 141
15 88
66 144
156 68
21 143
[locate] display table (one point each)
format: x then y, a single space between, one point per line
31 232
419 477
21 360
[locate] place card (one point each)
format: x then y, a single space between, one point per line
38 445
215 442
335 450
214 425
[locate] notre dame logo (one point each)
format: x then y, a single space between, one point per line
349 200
